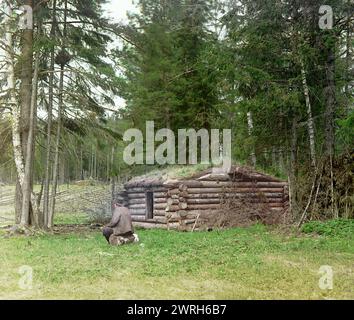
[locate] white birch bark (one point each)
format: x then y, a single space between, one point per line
250 132
26 188
15 109
310 123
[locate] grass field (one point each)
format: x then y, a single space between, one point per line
253 263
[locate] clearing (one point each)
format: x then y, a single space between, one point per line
252 263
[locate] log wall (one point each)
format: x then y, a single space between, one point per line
182 202
136 201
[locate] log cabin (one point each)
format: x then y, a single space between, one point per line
165 203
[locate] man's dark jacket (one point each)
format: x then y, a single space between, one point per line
121 222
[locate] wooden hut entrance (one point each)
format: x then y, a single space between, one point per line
149 205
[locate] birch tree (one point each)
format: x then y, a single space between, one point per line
11 88
310 123
47 179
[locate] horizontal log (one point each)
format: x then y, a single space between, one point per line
260 184
251 200
231 195
258 190
159 213
137 201
215 177
143 201
207 206
142 182
204 190
136 190
138 218
254 177
160 200
160 194
216 184
136 195
137 212
204 206
205 195
255 200
192 212
157 195
158 219
143 197
238 190
137 206
204 201
143 190
149 225
160 206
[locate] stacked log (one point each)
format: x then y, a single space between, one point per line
177 209
136 200
206 195
179 203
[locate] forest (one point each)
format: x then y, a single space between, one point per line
267 70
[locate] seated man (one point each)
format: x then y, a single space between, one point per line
120 230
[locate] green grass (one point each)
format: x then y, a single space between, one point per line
253 263
65 219
334 228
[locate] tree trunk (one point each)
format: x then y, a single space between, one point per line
25 96
82 177
310 123
56 154
49 121
250 132
15 113
293 169
95 164
27 184
330 95
62 170
57 146
348 57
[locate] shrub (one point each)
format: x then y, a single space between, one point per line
340 227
